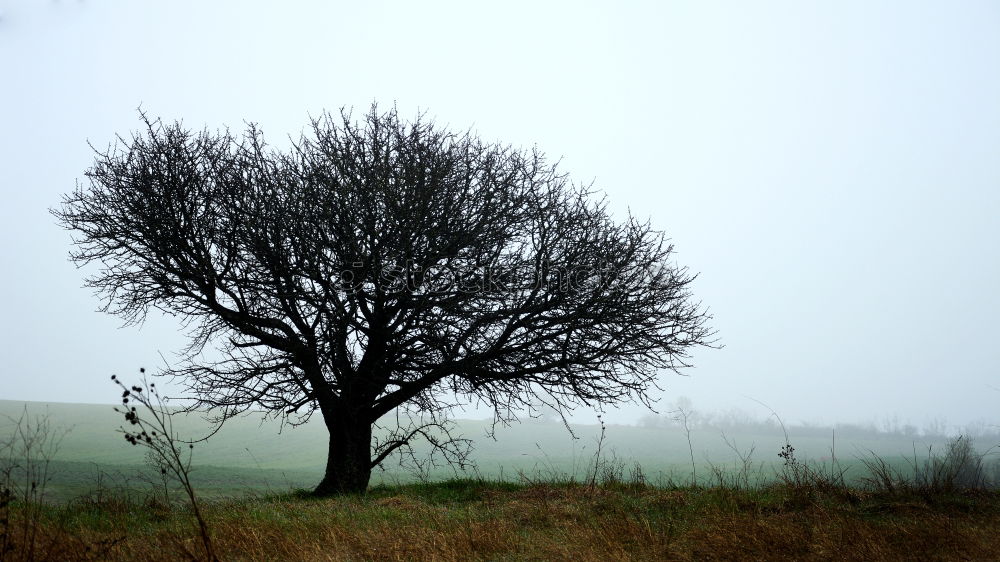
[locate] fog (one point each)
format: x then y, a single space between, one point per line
829 170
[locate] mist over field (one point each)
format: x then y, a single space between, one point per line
250 455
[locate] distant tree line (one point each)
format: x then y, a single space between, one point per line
738 419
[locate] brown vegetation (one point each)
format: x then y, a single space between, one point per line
466 520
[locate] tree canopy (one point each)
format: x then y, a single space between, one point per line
380 271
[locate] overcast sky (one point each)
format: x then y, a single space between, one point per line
831 169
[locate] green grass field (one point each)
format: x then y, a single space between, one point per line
253 456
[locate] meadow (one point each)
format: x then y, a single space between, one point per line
722 488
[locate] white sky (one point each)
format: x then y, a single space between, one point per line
832 169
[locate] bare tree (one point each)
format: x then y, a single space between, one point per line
380 272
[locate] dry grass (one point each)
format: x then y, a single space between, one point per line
490 521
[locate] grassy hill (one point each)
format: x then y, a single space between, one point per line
251 442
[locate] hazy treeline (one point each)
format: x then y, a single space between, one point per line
735 419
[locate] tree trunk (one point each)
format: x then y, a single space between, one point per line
348 462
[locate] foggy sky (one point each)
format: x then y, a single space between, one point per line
832 169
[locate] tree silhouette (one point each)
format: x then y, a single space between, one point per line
380 272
